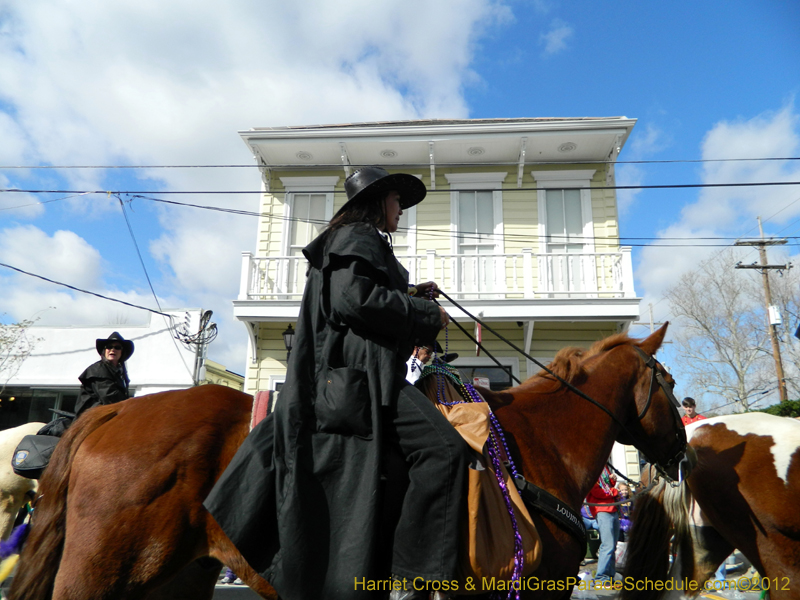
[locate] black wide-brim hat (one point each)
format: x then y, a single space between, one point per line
127 345
449 357
370 182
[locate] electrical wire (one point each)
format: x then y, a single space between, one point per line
418 165
45 201
464 235
169 323
77 289
664 186
138 252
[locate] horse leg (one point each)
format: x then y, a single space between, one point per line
221 548
710 550
196 581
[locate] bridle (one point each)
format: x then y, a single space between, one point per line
679 457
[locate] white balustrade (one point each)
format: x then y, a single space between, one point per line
469 276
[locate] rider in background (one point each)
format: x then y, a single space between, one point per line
106 381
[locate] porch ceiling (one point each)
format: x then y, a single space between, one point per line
411 143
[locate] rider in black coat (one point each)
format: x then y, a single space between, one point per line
106 381
302 497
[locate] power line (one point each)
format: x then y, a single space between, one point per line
77 289
607 241
418 165
138 252
665 186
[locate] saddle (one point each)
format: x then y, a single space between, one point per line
488 536
33 452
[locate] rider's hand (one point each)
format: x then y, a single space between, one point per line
445 317
427 290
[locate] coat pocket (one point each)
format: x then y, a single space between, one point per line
344 407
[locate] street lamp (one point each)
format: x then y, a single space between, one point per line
288 341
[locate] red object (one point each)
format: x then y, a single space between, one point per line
598 495
261 407
686 420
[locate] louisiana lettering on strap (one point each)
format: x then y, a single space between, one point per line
544 502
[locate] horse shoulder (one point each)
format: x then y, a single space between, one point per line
495 400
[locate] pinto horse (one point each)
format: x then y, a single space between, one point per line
120 511
743 493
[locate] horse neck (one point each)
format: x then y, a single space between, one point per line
563 440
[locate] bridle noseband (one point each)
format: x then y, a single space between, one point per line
679 458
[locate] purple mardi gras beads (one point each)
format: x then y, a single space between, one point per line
519 556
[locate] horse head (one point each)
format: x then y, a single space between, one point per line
653 423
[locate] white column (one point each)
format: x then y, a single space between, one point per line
627 272
245 281
527 272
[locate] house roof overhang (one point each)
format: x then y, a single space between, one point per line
467 142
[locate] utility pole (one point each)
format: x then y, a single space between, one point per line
772 322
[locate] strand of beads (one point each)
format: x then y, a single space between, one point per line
414 364
519 555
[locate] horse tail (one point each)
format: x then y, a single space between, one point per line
658 515
41 555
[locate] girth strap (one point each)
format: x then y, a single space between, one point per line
550 506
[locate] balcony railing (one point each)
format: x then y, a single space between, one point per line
469 276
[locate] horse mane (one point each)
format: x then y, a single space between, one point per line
569 363
661 520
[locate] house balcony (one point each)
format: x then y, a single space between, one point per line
513 287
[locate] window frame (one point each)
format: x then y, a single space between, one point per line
485 361
560 180
477 182
303 185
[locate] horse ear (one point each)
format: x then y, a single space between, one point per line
654 341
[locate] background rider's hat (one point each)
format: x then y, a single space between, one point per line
688 401
449 357
372 181
127 345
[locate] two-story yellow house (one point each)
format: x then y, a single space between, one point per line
520 225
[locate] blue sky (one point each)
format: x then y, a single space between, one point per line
142 82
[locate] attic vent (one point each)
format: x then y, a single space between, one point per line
303 155
388 153
568 147
475 151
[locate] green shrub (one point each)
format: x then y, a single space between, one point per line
789 408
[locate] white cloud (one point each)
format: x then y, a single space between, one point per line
555 39
730 211
63 256
769 135
66 258
148 82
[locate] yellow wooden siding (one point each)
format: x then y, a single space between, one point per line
270 358
548 338
520 219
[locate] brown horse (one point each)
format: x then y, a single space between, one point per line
121 507
743 493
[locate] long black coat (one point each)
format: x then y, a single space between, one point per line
101 384
301 497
